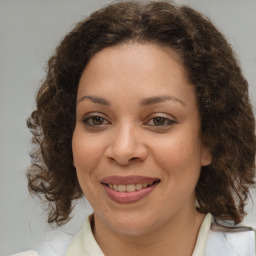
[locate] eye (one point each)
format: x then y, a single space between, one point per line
95 120
160 121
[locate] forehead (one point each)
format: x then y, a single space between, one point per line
126 56
137 70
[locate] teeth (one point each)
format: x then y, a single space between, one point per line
129 187
121 188
144 185
138 186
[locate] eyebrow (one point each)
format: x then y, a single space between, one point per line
144 102
159 99
95 99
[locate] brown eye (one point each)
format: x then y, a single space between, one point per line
158 121
97 120
93 121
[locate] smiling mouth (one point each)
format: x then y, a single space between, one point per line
126 188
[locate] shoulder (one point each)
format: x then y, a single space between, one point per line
26 253
230 241
55 246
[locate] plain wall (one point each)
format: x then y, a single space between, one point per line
29 32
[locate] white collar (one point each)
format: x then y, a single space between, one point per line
84 243
202 236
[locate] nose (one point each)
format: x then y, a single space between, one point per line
126 146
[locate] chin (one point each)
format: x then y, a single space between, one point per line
132 226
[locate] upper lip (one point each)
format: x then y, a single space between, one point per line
125 180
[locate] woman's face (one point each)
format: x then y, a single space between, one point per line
136 145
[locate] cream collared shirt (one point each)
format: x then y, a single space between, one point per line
209 243
84 244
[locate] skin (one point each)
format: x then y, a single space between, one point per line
128 140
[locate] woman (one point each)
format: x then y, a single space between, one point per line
145 112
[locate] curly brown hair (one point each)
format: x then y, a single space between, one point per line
227 121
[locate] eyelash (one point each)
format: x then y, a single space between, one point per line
167 121
88 121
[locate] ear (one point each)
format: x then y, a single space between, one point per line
206 155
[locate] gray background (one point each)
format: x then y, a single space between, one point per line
29 32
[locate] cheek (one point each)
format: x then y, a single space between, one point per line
180 161
86 151
86 155
179 155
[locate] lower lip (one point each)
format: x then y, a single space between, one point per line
128 197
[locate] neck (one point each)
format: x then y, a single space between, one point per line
168 239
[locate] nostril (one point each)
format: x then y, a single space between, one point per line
133 159
124 161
